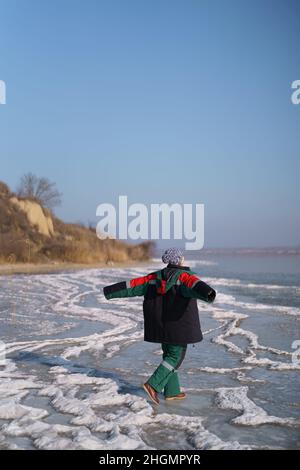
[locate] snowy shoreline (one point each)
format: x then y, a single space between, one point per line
57 267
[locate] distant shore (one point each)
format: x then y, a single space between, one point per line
44 268
59 266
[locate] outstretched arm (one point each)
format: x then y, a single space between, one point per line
191 286
134 287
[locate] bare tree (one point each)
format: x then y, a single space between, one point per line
40 189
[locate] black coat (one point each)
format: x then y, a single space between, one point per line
170 303
170 318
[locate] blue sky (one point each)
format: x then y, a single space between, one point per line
163 101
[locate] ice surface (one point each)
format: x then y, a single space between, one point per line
75 364
252 415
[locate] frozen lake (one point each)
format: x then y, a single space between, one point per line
75 362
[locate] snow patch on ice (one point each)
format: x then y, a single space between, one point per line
251 414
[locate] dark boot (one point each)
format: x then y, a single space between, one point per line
180 396
151 393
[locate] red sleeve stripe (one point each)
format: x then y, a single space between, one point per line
162 288
188 279
142 280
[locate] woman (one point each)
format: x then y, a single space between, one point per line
170 317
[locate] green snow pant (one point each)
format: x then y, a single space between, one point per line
165 377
